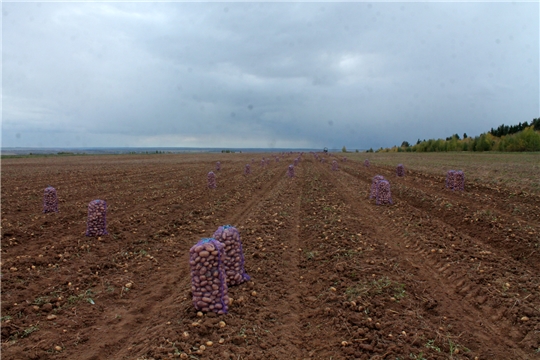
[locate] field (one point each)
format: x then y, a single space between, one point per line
436 275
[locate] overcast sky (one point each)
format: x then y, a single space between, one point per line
301 75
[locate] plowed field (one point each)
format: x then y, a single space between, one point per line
436 275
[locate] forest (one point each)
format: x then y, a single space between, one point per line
520 137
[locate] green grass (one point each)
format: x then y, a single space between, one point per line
376 287
431 345
141 252
24 333
41 300
310 255
75 299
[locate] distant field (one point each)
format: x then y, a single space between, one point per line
517 171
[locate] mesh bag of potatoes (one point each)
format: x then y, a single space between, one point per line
211 177
374 181
96 224
450 179
459 180
234 255
290 171
383 193
208 280
50 200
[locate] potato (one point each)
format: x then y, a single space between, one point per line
96 224
208 280
50 200
234 256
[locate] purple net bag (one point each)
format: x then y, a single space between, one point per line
366 163
334 165
373 192
455 180
50 200
400 170
247 169
459 180
211 177
383 193
234 255
450 178
290 171
96 224
208 280
218 166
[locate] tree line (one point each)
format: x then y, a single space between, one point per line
507 130
520 137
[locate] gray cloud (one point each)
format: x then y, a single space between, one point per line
264 74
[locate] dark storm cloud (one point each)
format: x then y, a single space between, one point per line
277 74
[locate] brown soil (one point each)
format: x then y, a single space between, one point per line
437 275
